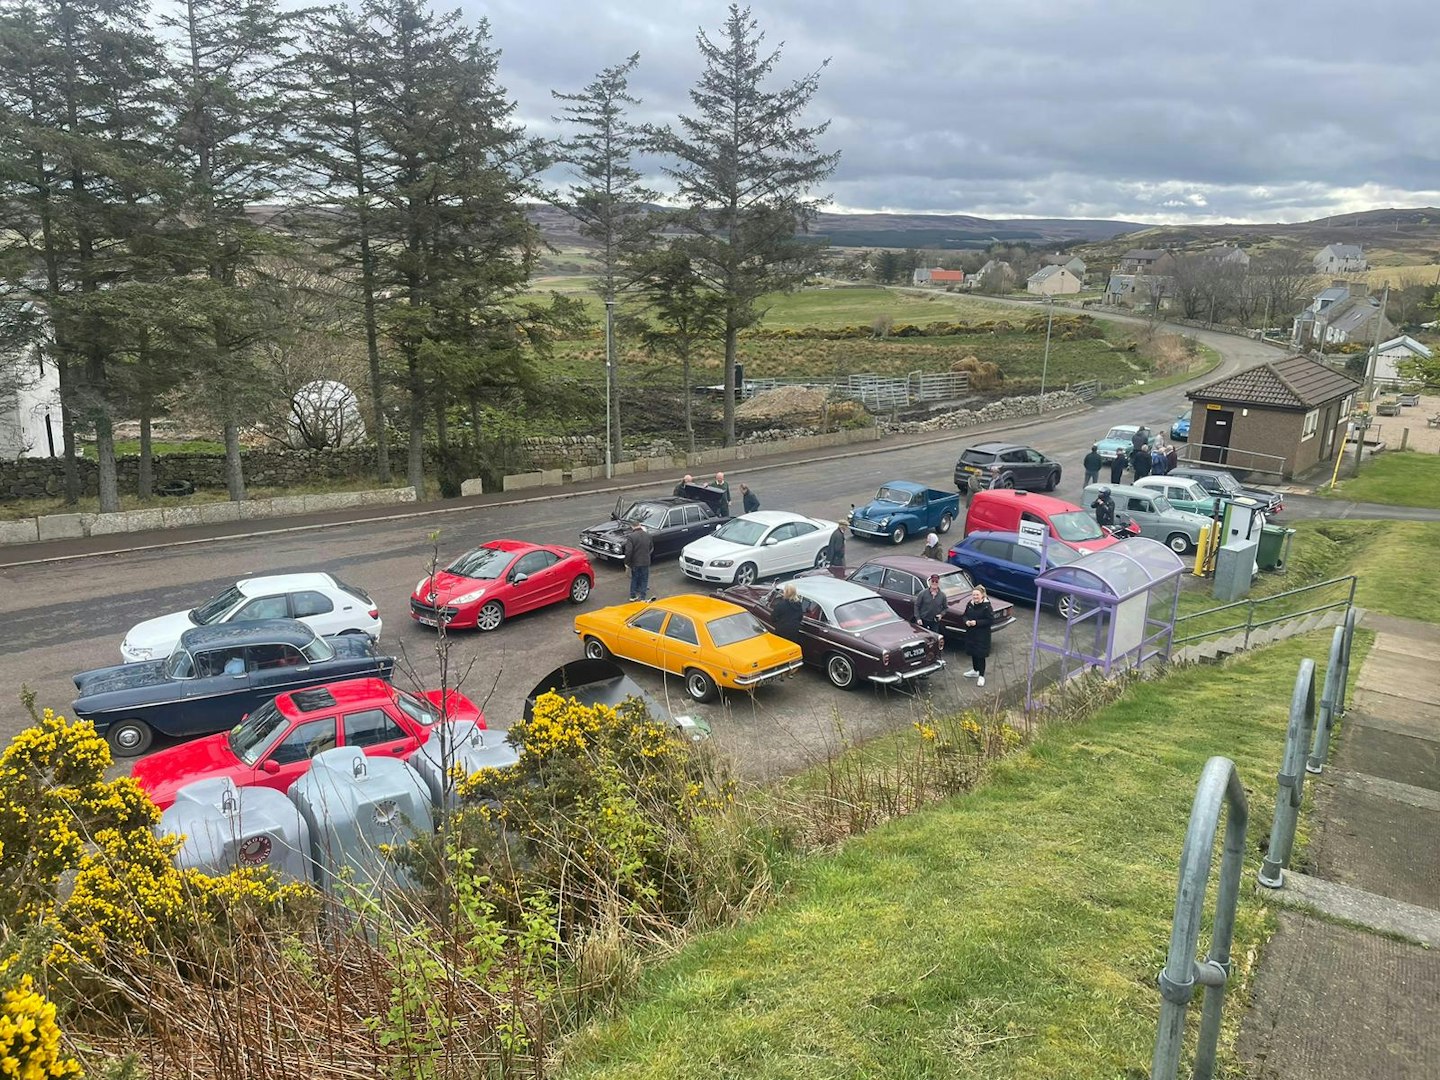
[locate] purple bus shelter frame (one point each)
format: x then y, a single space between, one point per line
1114 623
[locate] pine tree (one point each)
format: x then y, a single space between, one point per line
744 164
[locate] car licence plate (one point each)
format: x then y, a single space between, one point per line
915 653
425 621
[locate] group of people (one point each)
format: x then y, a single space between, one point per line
1149 455
788 614
749 501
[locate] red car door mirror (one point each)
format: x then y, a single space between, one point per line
270 765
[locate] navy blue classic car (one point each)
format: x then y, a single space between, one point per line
215 676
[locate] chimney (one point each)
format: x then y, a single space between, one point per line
1359 288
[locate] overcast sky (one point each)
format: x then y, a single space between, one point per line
1158 111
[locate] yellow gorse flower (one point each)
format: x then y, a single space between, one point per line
30 1037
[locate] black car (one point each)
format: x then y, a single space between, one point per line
215 676
1005 465
672 521
1219 483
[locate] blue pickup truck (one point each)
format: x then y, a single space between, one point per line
902 509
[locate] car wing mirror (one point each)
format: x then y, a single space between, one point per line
770 541
270 765
517 577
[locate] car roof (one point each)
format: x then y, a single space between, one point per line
1120 489
1045 504
1125 427
271 583
996 447
833 592
774 517
697 606
259 632
346 694
915 564
1190 470
904 485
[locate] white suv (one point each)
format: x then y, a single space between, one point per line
326 604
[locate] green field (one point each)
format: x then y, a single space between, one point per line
1013 933
1398 478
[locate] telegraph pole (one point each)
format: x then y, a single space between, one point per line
1045 365
1364 419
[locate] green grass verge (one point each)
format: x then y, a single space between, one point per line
15 509
1014 932
1401 478
1206 361
131 448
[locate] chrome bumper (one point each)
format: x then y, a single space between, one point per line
768 674
916 673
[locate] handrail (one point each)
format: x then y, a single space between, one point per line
1252 604
1325 722
1219 785
1291 779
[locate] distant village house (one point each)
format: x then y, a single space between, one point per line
1342 313
938 277
1341 259
1053 281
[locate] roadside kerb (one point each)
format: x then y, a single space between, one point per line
569 492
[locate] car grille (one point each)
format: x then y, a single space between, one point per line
691 561
429 611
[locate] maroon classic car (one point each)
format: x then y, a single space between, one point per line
901 578
849 633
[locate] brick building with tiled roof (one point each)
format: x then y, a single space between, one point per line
1293 409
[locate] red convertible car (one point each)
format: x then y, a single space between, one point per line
484 587
273 746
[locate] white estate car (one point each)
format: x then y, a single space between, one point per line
326 604
762 544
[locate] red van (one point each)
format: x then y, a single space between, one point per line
1002 510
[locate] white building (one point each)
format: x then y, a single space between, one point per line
29 404
1391 354
1340 259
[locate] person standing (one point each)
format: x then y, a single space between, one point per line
1117 468
1157 461
1140 440
930 605
638 548
723 488
1140 463
979 617
1092 464
749 502
787 612
683 484
835 549
1104 508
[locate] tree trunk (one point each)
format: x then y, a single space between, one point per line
145 487
689 416
234 465
381 432
731 334
109 487
67 433
415 464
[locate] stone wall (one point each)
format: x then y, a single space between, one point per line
32 477
1012 408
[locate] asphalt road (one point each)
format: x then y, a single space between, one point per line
60 618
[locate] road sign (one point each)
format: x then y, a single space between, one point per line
1032 535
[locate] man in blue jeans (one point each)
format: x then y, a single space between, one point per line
638 547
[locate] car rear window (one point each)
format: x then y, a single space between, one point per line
355 591
977 457
729 629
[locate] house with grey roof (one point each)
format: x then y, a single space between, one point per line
1280 418
1120 291
1053 281
1391 357
1341 259
1228 255
1339 314
1073 263
1146 261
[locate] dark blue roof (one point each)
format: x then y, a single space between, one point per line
260 632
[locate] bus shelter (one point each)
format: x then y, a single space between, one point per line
1125 600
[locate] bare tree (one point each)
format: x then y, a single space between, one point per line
1285 278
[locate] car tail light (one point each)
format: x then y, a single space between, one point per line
374 613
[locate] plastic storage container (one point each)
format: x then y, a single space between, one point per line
357 807
1273 541
470 747
226 828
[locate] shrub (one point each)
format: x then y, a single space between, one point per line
30 1036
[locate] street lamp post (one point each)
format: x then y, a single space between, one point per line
609 387
1045 364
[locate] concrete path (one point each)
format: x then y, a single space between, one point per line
1349 986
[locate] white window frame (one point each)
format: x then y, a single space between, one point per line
1346 407
1312 425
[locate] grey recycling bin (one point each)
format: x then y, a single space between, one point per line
471 748
357 807
228 828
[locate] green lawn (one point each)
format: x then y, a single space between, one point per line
131 447
1013 932
1399 478
861 305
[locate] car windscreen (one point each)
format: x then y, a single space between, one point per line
213 608
1123 434
956 586
484 564
740 531
977 457
419 710
317 650
1075 526
647 514
863 614
894 495
250 738
1228 483
728 629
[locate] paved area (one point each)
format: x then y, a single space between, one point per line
1349 986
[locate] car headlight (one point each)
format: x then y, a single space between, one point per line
722 562
885 522
421 584
468 598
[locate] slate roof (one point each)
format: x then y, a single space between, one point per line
1150 254
1343 251
1120 283
1043 273
1351 319
1293 383
1416 347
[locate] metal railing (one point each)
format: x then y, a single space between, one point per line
1332 698
878 391
1208 455
1219 787
1291 779
1251 605
1086 390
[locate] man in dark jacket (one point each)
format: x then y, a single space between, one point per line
723 486
1140 440
1117 468
683 484
787 612
748 500
638 547
1092 464
1140 463
930 605
1104 508
835 550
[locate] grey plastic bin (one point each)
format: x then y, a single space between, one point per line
226 828
471 748
357 806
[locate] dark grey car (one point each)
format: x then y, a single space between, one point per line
672 522
1005 465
